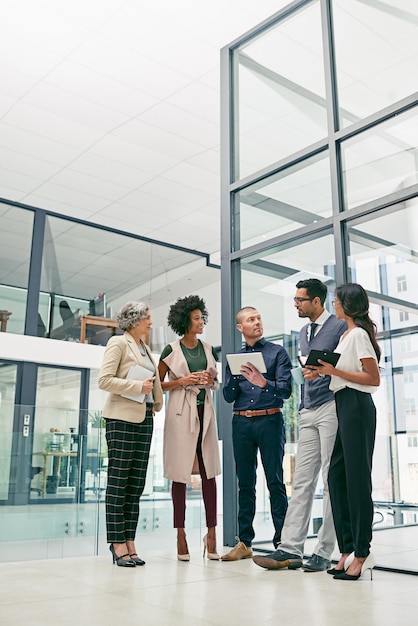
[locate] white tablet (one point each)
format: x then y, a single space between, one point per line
235 361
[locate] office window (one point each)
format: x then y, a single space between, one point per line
88 272
409 404
15 247
281 106
269 279
381 159
376 46
401 283
290 220
408 377
406 345
376 242
412 441
413 473
8 378
295 197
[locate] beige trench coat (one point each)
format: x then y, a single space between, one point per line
181 426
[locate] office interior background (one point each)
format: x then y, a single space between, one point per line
117 124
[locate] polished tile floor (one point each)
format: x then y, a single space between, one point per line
91 591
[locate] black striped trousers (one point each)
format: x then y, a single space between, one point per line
128 449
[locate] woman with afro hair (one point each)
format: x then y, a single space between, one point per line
190 431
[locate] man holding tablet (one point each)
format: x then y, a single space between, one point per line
317 431
258 425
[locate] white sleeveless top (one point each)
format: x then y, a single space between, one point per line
356 345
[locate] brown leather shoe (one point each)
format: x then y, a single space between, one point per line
278 559
240 551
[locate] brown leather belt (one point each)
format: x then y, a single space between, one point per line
258 413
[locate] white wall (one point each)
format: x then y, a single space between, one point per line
50 351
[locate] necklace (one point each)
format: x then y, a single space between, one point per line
142 348
193 356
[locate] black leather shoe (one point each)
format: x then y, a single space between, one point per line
135 558
119 560
316 564
278 560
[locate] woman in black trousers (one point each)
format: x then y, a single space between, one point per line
353 380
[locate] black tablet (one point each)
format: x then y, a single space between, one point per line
324 355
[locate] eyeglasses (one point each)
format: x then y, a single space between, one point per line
335 302
300 300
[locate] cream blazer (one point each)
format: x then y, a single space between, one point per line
121 353
181 425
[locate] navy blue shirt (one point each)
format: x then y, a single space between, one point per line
249 397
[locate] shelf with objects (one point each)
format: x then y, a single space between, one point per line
72 466
79 320
60 464
4 316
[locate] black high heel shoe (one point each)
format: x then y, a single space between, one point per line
135 558
338 572
334 571
119 560
368 565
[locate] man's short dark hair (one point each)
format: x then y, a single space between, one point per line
314 287
241 311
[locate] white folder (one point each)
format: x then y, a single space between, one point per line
137 372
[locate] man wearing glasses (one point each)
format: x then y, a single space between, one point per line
317 431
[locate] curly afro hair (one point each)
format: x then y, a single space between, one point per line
179 314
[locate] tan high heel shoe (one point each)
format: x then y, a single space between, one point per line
213 556
185 556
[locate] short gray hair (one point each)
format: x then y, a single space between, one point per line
131 314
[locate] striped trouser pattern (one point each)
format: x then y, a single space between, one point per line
128 450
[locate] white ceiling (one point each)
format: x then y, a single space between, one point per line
110 113
109 110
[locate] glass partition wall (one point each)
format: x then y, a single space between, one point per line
319 179
15 253
58 482
65 280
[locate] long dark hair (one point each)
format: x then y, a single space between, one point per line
355 303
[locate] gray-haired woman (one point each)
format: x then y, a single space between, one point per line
129 426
